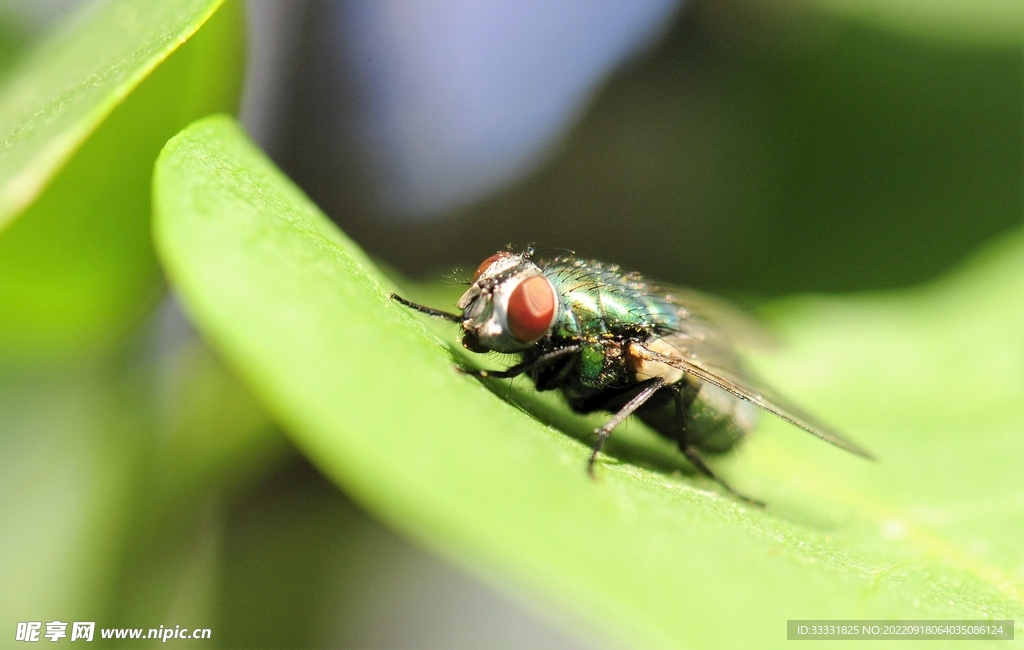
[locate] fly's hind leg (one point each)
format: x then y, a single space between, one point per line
683 402
694 457
647 393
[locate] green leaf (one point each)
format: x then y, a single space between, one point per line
67 450
982 21
111 474
929 379
82 119
209 439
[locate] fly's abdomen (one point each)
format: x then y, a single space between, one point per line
718 420
713 422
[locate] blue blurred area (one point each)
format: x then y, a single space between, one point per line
460 97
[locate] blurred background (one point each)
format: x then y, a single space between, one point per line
764 147
751 147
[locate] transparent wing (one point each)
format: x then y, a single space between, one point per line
704 351
743 329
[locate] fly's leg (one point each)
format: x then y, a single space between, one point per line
694 457
602 434
690 451
430 311
526 366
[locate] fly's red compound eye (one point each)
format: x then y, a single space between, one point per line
531 309
487 263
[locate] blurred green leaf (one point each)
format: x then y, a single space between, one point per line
981 21
12 40
113 475
81 120
211 438
68 447
71 83
929 379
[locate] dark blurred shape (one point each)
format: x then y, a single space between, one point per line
761 148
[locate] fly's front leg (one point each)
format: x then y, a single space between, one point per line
683 402
602 434
429 311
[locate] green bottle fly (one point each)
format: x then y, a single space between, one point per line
611 340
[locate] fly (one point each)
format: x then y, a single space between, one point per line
611 340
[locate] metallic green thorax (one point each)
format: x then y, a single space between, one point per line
599 302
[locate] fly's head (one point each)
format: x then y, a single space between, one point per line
509 306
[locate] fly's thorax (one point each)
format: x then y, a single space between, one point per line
601 300
509 307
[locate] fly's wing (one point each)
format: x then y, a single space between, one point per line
706 352
743 329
